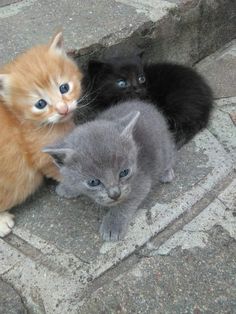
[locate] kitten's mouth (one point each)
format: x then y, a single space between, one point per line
66 117
114 202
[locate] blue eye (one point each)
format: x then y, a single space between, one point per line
141 79
121 83
94 182
124 173
64 88
41 104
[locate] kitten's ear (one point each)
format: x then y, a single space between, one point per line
56 43
60 155
128 123
4 84
95 66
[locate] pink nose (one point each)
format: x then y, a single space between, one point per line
62 109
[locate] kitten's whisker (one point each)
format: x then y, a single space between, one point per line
88 92
87 104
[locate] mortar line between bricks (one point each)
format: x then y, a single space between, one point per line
35 254
200 206
229 155
161 238
8 270
12 240
16 291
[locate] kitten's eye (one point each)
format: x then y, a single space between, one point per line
94 182
121 83
64 88
124 173
141 79
41 104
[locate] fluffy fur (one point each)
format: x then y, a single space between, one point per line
126 150
25 129
178 91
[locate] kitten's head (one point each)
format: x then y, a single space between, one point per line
117 79
42 85
99 159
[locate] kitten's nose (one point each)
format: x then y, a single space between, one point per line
137 90
114 193
62 109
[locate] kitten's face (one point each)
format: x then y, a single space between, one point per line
118 79
108 182
103 164
42 85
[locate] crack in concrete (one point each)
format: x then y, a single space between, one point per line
9 270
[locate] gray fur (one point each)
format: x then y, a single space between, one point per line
131 135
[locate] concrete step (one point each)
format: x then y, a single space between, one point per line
177 30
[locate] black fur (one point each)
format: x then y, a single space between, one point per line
178 91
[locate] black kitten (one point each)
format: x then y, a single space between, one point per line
178 91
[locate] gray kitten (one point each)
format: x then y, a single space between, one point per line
115 160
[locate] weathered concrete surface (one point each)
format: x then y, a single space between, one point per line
224 128
186 281
221 212
220 70
8 2
10 300
55 258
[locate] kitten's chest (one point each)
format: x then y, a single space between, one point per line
37 139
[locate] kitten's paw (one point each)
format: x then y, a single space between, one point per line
167 176
6 223
62 191
113 228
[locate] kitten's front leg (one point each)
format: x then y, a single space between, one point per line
167 176
50 170
115 223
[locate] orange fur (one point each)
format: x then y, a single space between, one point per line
36 74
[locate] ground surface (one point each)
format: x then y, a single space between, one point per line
179 255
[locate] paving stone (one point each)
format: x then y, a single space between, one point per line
223 127
8 2
220 212
186 281
220 70
10 300
45 287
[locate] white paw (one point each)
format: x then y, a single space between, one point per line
6 223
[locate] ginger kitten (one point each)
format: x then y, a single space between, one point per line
39 91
